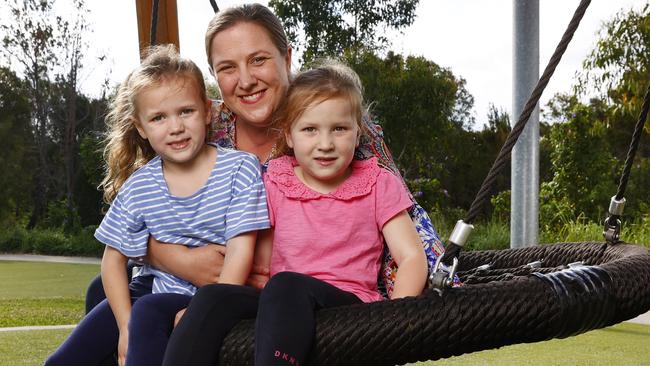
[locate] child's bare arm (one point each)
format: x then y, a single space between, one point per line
116 286
239 258
405 246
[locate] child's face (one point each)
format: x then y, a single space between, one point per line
323 140
173 117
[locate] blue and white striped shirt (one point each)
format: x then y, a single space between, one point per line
232 202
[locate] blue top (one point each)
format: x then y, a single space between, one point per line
232 202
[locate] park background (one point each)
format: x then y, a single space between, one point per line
56 80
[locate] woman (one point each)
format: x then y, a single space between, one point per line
250 57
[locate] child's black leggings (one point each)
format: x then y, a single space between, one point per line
285 325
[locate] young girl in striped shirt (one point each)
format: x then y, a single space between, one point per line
163 180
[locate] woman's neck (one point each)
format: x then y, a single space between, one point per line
255 140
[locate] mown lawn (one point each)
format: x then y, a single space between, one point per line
52 293
43 293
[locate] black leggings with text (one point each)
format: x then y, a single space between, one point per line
284 329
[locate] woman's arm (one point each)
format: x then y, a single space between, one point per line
405 246
200 266
239 258
116 286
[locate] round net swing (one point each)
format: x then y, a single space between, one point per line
508 296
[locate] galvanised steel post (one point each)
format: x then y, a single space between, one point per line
524 215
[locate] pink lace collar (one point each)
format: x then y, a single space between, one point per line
360 183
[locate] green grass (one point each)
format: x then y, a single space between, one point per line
43 293
29 348
622 344
52 294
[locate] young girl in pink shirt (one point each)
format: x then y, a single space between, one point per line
330 216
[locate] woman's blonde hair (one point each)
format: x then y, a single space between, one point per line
329 79
250 13
125 151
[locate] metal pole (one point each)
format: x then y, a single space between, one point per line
524 213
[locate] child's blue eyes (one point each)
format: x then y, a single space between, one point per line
184 112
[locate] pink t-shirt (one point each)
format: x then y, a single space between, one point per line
335 237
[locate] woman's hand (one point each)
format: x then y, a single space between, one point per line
122 347
200 266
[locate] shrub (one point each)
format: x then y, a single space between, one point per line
50 242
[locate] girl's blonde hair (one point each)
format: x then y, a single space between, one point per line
125 151
330 79
251 13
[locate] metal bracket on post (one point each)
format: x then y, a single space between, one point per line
612 230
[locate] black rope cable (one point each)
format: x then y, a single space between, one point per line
452 249
634 145
215 7
154 22
503 156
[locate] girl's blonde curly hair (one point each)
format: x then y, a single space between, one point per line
125 151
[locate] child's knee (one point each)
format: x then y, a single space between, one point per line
284 284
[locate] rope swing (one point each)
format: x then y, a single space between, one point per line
508 296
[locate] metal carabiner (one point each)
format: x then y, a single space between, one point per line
442 278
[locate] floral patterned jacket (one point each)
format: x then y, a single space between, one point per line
372 145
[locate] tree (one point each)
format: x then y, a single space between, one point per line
421 108
47 50
618 70
16 155
29 40
583 166
327 28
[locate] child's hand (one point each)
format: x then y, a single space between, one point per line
178 317
122 347
258 277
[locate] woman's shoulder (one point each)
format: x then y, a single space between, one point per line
222 125
372 144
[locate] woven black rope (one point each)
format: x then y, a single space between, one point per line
504 154
634 145
612 286
215 7
154 22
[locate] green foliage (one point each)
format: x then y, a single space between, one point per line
51 242
583 167
327 28
428 192
16 156
619 65
501 205
417 104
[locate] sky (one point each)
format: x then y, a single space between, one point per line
473 38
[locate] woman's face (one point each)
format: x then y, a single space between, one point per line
252 74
